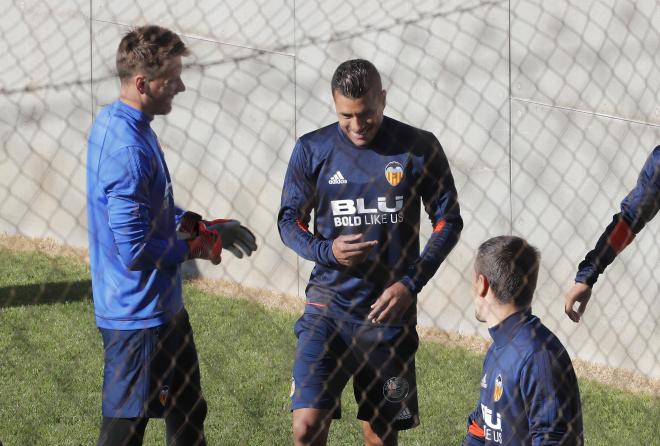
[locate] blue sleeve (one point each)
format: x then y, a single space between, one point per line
441 204
298 197
178 213
125 174
637 209
546 393
475 432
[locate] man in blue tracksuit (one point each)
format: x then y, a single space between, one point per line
138 239
529 391
637 209
365 178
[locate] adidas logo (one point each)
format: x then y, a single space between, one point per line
404 414
337 178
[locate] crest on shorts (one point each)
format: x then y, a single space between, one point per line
164 395
394 172
396 389
293 387
497 393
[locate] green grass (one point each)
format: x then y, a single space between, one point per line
51 371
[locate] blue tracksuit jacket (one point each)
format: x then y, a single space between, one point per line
529 392
374 190
637 209
133 249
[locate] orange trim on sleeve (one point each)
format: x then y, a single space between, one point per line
302 225
476 430
439 225
621 236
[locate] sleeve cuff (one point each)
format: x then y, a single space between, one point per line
181 250
326 254
410 284
178 213
587 277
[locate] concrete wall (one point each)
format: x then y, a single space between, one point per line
546 112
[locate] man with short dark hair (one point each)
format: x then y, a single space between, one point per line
529 391
138 239
365 178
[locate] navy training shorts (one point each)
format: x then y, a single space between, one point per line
380 358
150 371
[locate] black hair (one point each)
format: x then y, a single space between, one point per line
354 78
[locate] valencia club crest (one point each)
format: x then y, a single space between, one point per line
497 393
394 173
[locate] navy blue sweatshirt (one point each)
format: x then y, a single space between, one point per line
529 391
378 191
637 209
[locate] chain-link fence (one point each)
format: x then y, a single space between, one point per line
546 113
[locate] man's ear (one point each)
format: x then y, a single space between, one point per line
140 83
482 285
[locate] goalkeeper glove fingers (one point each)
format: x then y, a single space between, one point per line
236 238
207 245
187 227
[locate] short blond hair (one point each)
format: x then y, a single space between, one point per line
147 49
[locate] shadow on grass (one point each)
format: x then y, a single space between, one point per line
45 293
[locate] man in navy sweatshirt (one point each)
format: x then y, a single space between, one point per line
529 391
365 178
637 208
138 239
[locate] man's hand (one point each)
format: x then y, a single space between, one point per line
391 305
207 245
350 250
236 238
580 292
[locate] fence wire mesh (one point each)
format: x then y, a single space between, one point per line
546 113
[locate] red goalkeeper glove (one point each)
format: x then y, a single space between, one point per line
207 245
187 227
235 237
